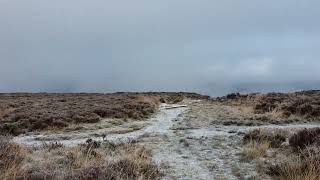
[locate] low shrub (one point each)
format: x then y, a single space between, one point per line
304 138
259 135
304 164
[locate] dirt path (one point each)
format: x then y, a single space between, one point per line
198 153
211 151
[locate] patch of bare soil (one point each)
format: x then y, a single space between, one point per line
26 112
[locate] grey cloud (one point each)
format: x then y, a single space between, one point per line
206 46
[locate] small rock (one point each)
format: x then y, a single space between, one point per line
185 157
232 131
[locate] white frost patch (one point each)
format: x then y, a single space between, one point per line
223 149
184 165
231 130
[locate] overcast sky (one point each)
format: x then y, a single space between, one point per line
207 46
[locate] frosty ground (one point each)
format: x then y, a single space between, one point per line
188 140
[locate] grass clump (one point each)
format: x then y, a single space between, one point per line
254 150
299 160
297 167
11 157
91 160
304 160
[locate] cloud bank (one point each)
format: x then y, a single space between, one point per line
207 46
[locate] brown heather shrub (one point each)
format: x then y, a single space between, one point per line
42 111
26 112
300 105
304 164
304 138
305 104
275 138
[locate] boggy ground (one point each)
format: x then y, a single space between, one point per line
28 112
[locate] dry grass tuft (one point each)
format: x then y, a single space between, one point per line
297 168
52 145
254 150
91 160
11 157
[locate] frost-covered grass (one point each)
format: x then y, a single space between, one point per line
255 150
91 160
298 159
